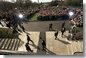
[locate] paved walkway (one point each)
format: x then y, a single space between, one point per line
62 46
54 47
44 25
34 37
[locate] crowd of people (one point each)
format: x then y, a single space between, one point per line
77 19
53 13
27 12
31 11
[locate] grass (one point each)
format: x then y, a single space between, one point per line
34 17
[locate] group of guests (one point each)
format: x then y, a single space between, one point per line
53 13
26 12
77 19
31 11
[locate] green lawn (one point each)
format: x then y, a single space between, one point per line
34 17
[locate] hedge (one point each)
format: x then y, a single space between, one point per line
7 33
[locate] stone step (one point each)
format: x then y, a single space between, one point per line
4 44
18 43
1 43
11 44
8 43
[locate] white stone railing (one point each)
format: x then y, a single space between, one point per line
8 52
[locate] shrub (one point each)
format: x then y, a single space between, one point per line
7 33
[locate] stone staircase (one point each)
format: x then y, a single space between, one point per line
54 47
9 44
